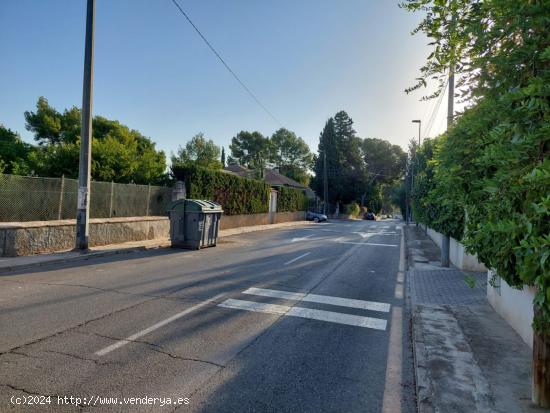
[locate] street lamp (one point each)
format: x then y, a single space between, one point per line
419 126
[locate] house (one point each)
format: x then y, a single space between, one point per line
272 176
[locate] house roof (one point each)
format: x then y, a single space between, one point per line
271 176
238 169
274 178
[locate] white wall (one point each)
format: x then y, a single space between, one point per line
457 255
515 306
435 236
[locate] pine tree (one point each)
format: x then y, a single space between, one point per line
223 157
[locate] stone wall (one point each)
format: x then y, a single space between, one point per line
289 216
236 221
36 237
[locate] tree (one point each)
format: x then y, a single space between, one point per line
200 151
13 152
385 162
119 153
223 157
494 159
353 173
346 172
251 149
291 155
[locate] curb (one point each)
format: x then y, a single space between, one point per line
82 257
423 385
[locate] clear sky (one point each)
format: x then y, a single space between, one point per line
305 60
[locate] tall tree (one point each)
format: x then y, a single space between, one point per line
251 149
329 148
291 155
199 151
353 174
385 162
223 157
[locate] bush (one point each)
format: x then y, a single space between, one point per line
291 200
236 195
353 209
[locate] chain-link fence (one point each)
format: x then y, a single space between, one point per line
24 198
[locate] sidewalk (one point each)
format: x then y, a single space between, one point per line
8 264
467 358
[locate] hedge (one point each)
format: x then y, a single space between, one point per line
236 195
291 200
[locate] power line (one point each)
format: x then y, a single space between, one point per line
435 110
226 65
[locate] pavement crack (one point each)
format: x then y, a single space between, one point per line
175 356
95 361
69 329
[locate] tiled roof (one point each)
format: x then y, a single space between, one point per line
271 176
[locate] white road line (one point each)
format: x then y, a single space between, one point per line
348 302
156 326
366 243
302 238
329 316
321 299
297 258
285 295
254 306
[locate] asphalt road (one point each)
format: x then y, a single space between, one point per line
307 319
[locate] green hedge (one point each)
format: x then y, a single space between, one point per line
236 195
291 200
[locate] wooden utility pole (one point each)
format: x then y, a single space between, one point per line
84 166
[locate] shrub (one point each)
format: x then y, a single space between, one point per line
236 195
353 209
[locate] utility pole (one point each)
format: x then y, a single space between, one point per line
419 131
325 182
83 202
446 241
406 194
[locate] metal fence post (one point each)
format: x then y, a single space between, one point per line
148 199
111 200
60 203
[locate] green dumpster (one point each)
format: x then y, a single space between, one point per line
194 223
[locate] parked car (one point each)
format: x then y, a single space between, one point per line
315 216
370 216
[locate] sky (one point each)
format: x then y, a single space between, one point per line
304 60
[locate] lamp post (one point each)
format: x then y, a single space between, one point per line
419 128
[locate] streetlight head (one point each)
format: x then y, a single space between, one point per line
416 121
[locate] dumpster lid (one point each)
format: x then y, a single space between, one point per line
200 205
176 205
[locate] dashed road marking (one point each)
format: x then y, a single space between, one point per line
297 258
